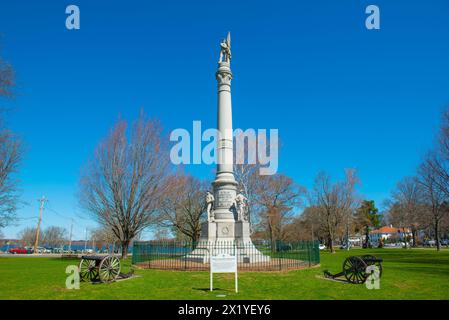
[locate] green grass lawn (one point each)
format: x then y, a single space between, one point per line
408 274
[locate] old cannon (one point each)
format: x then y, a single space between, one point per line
99 268
355 269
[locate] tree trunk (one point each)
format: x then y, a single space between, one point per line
414 237
331 245
330 236
125 245
194 238
437 234
404 237
366 237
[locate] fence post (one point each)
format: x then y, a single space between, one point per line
279 254
308 253
185 256
149 255
133 260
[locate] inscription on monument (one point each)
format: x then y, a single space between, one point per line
224 198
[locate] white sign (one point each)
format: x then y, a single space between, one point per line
223 263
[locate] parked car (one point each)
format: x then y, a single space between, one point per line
19 250
322 246
429 243
43 250
345 246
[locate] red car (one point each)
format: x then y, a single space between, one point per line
18 251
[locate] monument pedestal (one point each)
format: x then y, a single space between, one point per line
226 237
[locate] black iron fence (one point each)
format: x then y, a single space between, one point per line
251 256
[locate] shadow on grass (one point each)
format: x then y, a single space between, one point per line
340 280
424 262
208 289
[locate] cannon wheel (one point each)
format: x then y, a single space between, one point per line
354 270
378 264
88 270
109 269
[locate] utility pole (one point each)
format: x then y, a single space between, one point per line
85 240
71 231
41 208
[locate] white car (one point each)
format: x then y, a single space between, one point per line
322 246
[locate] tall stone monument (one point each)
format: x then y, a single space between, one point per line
228 221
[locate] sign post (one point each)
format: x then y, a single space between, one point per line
223 263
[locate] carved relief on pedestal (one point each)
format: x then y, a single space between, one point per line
209 206
241 205
225 231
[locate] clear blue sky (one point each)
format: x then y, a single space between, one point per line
341 95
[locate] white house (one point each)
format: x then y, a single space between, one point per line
388 232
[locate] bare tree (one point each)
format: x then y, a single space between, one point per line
305 226
334 203
10 157
278 196
248 179
28 235
6 78
406 207
434 197
54 236
247 171
438 159
183 206
162 234
105 236
122 186
10 154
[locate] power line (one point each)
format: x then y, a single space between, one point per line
73 228
58 214
27 218
71 231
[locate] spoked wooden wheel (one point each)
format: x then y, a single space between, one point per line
371 261
354 269
109 269
88 270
